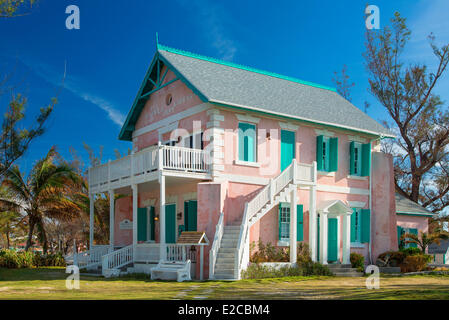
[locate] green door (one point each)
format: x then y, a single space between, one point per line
332 240
152 216
190 215
170 223
287 148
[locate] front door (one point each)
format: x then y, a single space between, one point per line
190 215
170 223
332 240
287 148
145 224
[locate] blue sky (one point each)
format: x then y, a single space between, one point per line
107 58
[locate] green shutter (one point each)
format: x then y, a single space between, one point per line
186 215
152 223
366 225
333 156
351 158
319 153
399 229
192 216
353 229
415 232
141 224
299 223
366 159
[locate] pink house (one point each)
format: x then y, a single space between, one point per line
244 155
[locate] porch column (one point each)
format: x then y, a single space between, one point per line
135 204
312 223
293 225
163 252
91 219
346 234
111 218
323 237
339 231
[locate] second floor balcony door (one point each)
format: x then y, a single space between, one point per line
287 148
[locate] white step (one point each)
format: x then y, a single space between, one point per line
224 276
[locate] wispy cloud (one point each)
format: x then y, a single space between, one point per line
211 18
73 85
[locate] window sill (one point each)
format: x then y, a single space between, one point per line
357 245
247 163
357 177
283 243
326 173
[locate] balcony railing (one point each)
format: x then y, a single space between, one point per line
146 161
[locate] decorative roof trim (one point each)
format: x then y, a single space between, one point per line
288 126
242 67
247 118
420 214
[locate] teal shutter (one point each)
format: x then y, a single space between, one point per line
366 159
351 158
279 221
241 141
141 224
353 227
152 224
186 215
192 216
415 232
333 155
399 229
366 225
319 153
299 223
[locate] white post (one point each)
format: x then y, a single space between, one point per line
293 225
312 223
346 234
201 261
323 237
135 204
339 252
111 219
91 220
75 254
162 217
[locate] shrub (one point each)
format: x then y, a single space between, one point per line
269 253
357 261
411 251
27 259
416 262
260 271
392 258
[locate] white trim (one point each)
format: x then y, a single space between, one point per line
338 189
324 132
148 202
176 117
244 179
171 199
216 117
288 126
224 104
357 177
357 139
247 118
326 173
357 245
283 243
357 204
246 163
190 196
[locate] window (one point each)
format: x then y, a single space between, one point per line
247 142
327 154
357 229
402 242
284 222
360 159
360 225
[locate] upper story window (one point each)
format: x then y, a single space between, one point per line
327 153
360 159
247 142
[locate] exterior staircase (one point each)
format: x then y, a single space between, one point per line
225 264
344 270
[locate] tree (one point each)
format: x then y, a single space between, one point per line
42 194
9 224
425 240
342 83
407 92
12 8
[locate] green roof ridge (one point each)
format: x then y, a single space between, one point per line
239 66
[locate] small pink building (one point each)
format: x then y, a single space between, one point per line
245 155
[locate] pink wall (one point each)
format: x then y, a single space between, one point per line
420 223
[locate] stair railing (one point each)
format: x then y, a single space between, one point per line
118 258
243 238
215 246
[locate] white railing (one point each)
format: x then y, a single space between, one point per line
180 252
147 252
241 244
215 246
89 258
118 258
306 172
148 160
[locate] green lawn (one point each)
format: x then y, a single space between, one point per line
49 283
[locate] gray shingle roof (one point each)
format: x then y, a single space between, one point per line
442 248
238 86
405 205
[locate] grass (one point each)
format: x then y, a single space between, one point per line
49 283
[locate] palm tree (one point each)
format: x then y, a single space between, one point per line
426 239
42 194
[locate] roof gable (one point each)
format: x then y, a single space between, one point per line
407 206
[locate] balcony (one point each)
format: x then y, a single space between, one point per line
144 166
